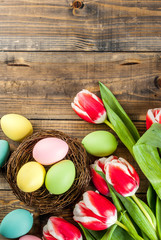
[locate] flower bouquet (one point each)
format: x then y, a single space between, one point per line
114 211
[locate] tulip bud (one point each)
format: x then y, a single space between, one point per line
95 212
47 235
122 176
59 229
153 116
89 107
97 179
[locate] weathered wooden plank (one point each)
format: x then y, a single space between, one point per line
100 25
43 85
8 202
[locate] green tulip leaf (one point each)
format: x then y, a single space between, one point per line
144 236
109 233
120 128
116 200
116 233
124 217
152 136
97 234
151 198
149 164
87 234
149 211
158 216
138 217
120 234
112 102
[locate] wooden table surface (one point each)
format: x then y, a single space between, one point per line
50 50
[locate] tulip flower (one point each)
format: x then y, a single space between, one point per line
153 116
59 229
95 212
98 181
89 107
122 176
124 179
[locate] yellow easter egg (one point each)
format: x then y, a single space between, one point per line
31 176
16 127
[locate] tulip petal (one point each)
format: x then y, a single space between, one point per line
100 206
88 219
95 212
101 163
60 229
46 234
92 105
131 170
153 116
81 113
125 165
99 182
122 176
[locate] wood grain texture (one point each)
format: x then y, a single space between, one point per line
50 51
43 85
101 25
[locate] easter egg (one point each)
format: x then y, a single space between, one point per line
31 176
29 237
100 143
60 177
4 152
16 127
50 150
16 223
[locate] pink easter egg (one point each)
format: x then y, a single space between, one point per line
50 150
29 237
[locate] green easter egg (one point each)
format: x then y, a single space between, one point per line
60 177
4 152
100 143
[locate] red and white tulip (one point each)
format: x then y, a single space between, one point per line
59 229
153 116
95 212
89 107
98 181
122 176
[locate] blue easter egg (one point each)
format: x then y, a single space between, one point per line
16 223
4 152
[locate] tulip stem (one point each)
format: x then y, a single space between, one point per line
109 124
122 226
127 230
143 210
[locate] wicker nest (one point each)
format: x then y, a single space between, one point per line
41 199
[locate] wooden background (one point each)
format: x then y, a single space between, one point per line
50 50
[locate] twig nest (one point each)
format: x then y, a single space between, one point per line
42 200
